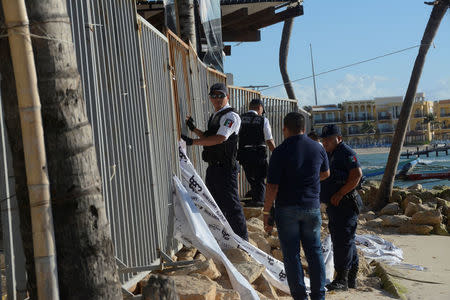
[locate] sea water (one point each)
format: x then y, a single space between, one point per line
431 163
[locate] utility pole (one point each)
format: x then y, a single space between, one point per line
313 72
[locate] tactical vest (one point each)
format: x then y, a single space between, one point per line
224 153
252 146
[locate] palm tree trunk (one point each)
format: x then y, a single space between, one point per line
86 264
284 51
387 182
186 18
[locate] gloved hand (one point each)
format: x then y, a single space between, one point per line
190 124
187 139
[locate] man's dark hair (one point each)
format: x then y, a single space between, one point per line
254 106
294 122
313 135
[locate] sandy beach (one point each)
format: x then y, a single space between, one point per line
430 252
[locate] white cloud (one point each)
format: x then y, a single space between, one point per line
441 91
351 87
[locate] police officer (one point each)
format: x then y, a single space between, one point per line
219 143
255 136
343 205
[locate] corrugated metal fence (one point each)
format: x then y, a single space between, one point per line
139 86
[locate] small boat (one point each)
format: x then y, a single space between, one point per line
380 171
430 175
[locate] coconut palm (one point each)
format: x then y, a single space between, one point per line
385 190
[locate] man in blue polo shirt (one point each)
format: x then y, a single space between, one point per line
295 170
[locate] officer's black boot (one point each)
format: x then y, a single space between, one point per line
340 282
352 274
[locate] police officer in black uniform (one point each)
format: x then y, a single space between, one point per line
219 143
343 206
255 136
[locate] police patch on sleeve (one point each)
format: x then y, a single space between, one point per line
352 159
228 123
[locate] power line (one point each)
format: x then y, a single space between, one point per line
346 66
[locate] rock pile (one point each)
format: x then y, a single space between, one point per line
206 279
410 211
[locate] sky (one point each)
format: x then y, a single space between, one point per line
342 33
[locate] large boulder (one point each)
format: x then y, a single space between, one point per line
250 270
368 216
444 204
440 229
277 254
186 253
413 208
192 288
416 187
207 268
237 255
263 286
426 196
395 221
274 242
369 197
431 217
445 194
390 209
159 287
415 229
375 223
255 225
252 212
410 198
397 196
261 241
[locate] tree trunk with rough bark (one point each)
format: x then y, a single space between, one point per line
186 18
385 191
284 51
86 263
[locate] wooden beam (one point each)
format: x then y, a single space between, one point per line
253 18
291 12
234 17
239 36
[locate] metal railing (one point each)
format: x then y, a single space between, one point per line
139 85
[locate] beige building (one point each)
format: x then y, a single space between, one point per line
442 126
374 121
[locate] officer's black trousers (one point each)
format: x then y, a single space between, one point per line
222 182
256 175
342 223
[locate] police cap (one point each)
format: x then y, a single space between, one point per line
218 87
330 130
255 102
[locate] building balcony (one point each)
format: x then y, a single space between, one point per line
387 130
359 119
381 118
358 132
444 115
328 121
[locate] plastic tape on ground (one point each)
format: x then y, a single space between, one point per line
192 230
221 229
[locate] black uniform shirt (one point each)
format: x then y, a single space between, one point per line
342 160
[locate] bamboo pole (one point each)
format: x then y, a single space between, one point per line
16 20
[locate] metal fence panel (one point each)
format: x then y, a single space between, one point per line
163 127
114 81
139 85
